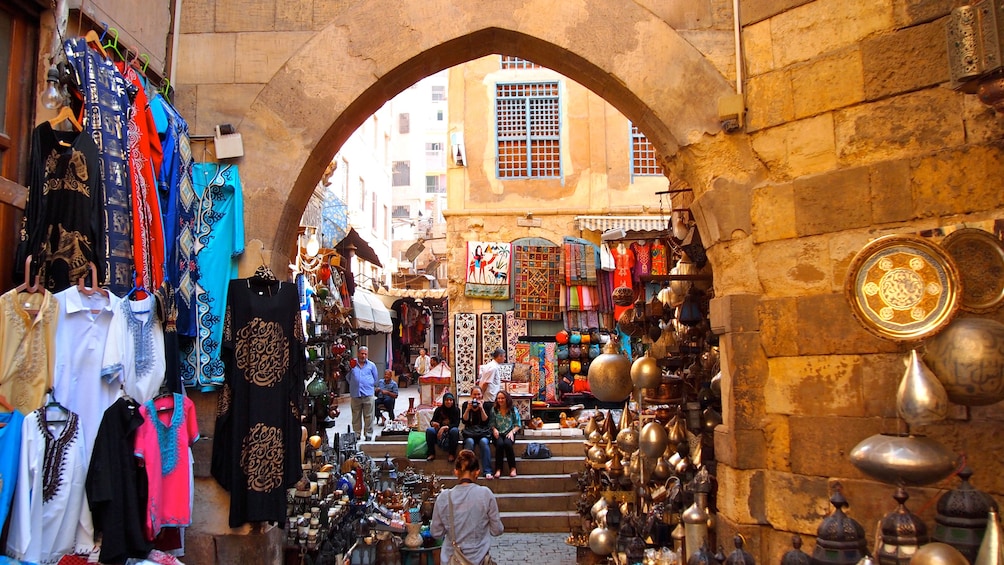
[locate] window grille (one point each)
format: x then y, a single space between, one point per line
510 62
528 128
643 159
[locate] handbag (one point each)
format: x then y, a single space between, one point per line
458 557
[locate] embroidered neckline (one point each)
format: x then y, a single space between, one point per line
142 339
54 462
167 435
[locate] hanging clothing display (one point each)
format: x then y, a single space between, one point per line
81 334
660 258
167 312
116 485
177 208
219 231
50 490
27 347
256 444
144 154
63 223
624 260
163 440
10 443
107 95
642 261
134 353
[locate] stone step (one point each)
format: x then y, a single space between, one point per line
397 446
553 466
562 484
550 502
539 522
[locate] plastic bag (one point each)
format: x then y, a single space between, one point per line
417 448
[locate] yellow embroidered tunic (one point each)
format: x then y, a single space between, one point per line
27 347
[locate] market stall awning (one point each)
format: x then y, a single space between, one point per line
422 293
370 313
626 223
363 249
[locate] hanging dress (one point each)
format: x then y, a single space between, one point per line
660 257
27 347
63 223
107 97
50 490
257 442
10 442
624 261
116 485
169 429
219 241
134 354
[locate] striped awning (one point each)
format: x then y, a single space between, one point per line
626 223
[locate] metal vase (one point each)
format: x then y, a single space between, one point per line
991 552
921 398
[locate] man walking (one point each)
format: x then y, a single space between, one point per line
362 382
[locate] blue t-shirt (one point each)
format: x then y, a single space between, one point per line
10 443
388 386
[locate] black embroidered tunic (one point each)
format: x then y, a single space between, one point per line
257 440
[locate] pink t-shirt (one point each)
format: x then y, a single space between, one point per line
163 442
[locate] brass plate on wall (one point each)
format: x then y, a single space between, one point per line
902 287
979 256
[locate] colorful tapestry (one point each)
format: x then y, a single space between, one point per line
465 350
542 358
514 329
536 271
488 266
492 335
505 372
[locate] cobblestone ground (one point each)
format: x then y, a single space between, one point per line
543 549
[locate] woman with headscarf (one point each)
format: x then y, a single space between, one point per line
444 428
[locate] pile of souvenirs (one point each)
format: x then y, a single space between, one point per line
349 508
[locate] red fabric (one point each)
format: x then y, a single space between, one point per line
624 261
145 156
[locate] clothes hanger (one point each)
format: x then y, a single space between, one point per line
66 115
93 40
53 403
94 288
28 286
113 43
134 293
164 393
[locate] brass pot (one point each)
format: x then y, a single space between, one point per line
967 358
610 375
912 460
652 440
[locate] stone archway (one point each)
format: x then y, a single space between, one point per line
371 51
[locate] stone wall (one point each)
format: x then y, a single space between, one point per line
851 133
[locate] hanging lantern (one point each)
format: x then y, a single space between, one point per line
795 555
903 532
961 518
610 375
840 540
903 459
690 311
645 372
652 440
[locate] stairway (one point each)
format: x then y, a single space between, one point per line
540 499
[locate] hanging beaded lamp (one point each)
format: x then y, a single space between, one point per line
840 540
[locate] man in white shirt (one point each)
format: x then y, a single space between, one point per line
489 377
438 368
422 364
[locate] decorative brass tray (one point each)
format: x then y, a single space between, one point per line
902 287
979 256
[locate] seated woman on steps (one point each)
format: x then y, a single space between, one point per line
477 432
444 428
505 422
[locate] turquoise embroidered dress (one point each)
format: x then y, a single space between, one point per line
219 241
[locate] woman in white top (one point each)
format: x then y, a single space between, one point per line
466 513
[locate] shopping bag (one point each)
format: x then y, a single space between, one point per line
417 449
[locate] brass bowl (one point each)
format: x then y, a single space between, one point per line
910 459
